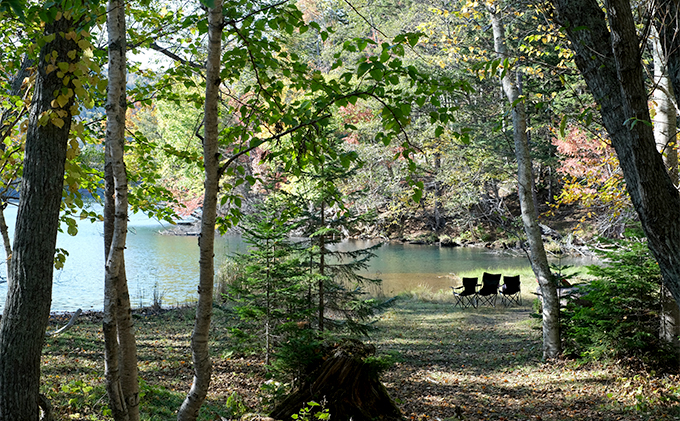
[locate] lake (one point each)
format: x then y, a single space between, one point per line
169 264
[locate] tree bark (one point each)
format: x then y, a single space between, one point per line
351 388
539 261
665 134
121 350
666 22
322 266
199 339
611 65
29 292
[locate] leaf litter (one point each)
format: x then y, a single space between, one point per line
449 364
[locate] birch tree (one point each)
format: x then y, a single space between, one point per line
199 338
537 255
665 136
120 349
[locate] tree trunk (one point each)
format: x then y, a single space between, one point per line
199 339
8 120
437 191
29 292
665 121
120 350
350 387
665 134
539 260
322 266
611 66
666 22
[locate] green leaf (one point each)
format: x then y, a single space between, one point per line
363 68
563 125
376 74
412 39
417 195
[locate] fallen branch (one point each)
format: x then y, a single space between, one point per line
68 325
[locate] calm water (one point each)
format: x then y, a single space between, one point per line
169 264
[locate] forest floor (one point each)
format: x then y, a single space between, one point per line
483 364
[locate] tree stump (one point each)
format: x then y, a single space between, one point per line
349 386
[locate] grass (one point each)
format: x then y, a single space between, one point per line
483 364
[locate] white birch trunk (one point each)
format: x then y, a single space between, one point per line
121 352
199 339
665 136
539 260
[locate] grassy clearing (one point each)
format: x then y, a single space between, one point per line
484 363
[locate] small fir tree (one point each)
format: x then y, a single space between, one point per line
269 299
338 291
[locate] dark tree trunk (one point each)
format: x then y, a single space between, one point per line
611 66
29 292
349 386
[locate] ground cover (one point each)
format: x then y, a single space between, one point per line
481 364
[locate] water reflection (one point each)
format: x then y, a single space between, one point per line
404 266
169 264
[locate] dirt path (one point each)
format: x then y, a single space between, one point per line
485 364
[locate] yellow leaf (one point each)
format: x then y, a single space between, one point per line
81 92
43 118
50 68
58 122
58 17
72 54
84 44
62 100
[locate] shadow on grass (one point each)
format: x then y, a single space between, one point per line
486 363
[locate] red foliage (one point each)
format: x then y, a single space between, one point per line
591 171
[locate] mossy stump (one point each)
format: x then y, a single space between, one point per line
347 385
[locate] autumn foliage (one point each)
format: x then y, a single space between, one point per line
590 172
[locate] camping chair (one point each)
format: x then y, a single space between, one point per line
511 291
467 297
489 292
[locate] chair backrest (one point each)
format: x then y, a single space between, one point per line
490 282
511 284
469 285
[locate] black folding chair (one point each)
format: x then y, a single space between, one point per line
467 297
489 292
511 291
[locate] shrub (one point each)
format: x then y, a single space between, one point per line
617 315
